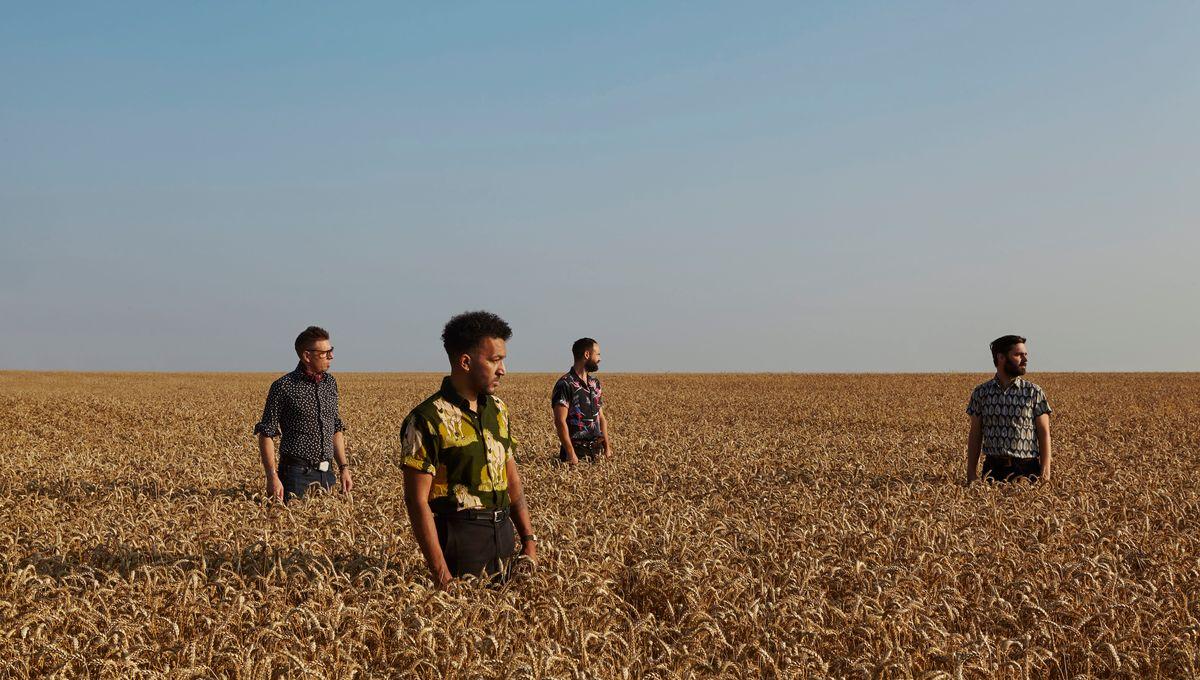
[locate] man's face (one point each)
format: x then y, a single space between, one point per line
592 359
1015 361
318 357
487 365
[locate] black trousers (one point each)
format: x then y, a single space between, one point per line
297 477
585 449
476 542
1004 469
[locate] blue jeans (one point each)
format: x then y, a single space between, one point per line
298 477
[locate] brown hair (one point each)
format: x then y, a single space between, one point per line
308 337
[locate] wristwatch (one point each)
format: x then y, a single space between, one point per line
531 538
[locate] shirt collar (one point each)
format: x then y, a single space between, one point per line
302 372
451 395
575 376
1017 382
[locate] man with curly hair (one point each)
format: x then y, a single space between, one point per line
462 489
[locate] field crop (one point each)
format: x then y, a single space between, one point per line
750 526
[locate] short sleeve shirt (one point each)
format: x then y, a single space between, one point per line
303 413
1007 416
583 401
466 452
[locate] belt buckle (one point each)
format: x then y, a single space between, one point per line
497 516
323 466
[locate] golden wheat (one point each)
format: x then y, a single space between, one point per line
750 526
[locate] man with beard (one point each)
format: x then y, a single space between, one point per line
302 410
462 489
1010 419
579 408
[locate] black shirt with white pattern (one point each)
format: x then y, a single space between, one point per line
303 412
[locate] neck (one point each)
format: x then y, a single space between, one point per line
462 385
581 371
1004 378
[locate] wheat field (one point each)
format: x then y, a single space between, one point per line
774 526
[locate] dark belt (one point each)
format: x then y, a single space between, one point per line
493 516
290 461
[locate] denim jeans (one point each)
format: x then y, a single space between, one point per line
298 477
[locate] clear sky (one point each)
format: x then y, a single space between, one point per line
701 186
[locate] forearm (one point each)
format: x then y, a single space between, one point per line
604 431
564 435
339 449
1046 453
425 532
266 451
518 505
973 448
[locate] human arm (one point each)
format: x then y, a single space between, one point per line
416 502
1041 426
266 429
974 444
564 434
343 463
519 509
604 433
266 451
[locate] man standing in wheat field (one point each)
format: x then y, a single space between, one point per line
1010 419
462 489
579 407
302 410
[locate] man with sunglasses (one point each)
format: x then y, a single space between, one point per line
302 410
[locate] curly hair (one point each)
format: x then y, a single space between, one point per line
465 331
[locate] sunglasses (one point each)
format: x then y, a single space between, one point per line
327 353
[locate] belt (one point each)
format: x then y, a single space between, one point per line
289 461
588 443
493 516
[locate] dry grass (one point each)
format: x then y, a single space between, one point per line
753 526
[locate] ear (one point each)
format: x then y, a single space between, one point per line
464 362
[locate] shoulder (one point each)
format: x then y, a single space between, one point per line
984 387
283 381
1035 389
500 405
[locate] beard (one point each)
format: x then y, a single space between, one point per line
591 366
1013 368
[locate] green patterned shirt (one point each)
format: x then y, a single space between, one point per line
465 452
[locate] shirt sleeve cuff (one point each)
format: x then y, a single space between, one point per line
267 430
418 465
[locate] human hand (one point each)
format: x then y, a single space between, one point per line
274 487
572 458
346 480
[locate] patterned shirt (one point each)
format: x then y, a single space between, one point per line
306 410
583 402
466 452
1007 415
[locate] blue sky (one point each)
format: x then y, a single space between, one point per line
701 186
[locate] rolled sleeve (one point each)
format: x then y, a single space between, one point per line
268 426
418 451
338 425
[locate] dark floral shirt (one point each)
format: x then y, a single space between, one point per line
583 402
1007 415
466 452
303 412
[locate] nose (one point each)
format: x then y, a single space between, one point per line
500 369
